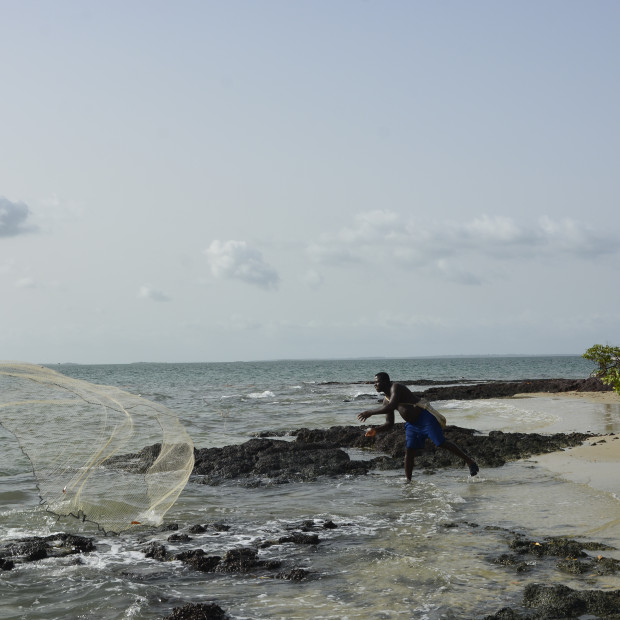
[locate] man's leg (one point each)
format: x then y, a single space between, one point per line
451 447
409 458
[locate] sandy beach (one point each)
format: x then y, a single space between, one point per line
594 463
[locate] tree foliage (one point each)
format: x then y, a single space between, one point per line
608 360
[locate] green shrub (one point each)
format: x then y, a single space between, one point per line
608 360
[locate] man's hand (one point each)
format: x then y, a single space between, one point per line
362 417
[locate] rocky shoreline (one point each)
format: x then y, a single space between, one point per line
306 455
523 554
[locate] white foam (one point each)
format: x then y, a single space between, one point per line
265 394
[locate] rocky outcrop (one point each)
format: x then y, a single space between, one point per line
503 389
36 548
198 611
276 460
319 452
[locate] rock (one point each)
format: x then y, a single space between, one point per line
179 538
198 611
506 613
297 574
156 551
559 601
503 389
137 462
36 548
274 459
515 561
6 564
240 560
572 566
554 546
30 550
300 539
199 560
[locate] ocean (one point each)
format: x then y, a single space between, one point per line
419 550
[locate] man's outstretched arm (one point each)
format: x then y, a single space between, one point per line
389 406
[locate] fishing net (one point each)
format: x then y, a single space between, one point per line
98 453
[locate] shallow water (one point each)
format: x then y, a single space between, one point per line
420 550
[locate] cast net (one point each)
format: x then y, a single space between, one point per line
98 453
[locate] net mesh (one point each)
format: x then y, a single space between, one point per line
98 453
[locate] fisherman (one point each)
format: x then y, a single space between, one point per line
420 422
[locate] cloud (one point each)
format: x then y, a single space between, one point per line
313 279
13 216
25 283
146 292
7 266
237 260
445 247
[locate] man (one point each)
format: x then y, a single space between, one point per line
420 423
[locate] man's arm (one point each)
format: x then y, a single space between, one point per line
388 406
388 409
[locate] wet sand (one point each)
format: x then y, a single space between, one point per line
611 398
596 462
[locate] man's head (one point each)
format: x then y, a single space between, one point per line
382 382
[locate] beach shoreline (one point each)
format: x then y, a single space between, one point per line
606 398
595 462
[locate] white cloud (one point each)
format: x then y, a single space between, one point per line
313 278
237 260
383 236
7 266
456 274
146 292
13 216
26 283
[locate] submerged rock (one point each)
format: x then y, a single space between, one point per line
198 611
36 548
559 601
199 560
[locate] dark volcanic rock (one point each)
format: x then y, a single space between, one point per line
198 611
317 453
502 389
137 462
493 450
300 539
297 574
199 560
156 551
240 560
280 461
506 613
6 564
36 548
563 602
554 546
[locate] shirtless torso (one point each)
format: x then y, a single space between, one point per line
398 397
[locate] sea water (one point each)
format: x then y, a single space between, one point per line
419 550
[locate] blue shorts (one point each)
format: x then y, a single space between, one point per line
426 426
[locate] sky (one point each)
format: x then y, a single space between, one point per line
201 181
